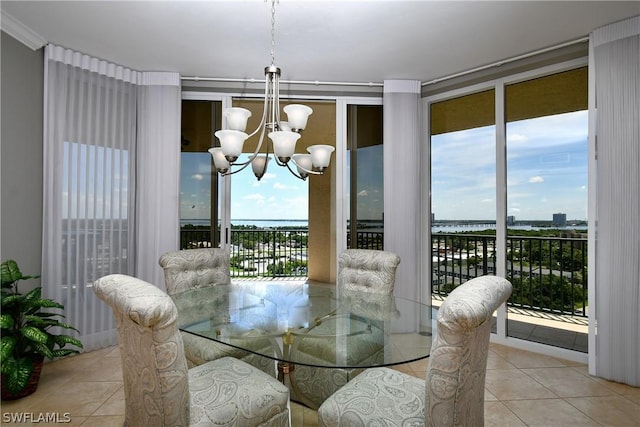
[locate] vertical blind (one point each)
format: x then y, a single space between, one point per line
92 207
401 164
617 80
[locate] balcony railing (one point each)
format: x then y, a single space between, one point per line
258 252
548 274
367 240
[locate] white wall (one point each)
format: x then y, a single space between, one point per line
21 155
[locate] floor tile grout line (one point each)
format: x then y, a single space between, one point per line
582 412
118 390
511 411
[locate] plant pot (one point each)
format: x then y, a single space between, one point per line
32 385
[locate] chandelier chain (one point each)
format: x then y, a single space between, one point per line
273 32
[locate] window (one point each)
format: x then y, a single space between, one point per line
463 189
199 183
544 197
546 141
365 224
240 198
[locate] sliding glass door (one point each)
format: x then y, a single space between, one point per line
509 197
546 146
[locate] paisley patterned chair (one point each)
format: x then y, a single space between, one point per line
159 388
361 272
453 393
367 270
196 268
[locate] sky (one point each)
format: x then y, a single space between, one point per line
278 195
546 170
546 174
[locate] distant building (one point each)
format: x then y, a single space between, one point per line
560 219
511 220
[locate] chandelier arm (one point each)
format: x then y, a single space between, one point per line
264 110
252 156
276 88
294 173
303 168
242 167
278 162
261 127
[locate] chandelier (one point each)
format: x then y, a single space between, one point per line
283 134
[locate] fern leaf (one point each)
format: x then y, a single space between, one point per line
47 303
43 350
34 334
33 295
48 314
7 344
64 352
62 340
11 299
10 273
6 321
65 326
15 380
44 324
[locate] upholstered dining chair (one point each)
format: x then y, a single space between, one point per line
453 393
159 388
197 268
367 270
360 272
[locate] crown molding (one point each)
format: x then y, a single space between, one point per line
21 32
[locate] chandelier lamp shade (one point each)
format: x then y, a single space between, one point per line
283 134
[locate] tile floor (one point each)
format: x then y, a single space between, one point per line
522 389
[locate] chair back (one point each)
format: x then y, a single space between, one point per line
458 361
156 384
195 268
367 270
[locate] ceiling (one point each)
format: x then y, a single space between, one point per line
326 41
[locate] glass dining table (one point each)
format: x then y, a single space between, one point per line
309 324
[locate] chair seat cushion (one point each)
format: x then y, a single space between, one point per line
228 391
200 350
378 396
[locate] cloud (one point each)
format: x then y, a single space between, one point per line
536 179
197 177
266 177
281 186
363 193
516 137
255 197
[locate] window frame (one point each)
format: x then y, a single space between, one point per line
501 191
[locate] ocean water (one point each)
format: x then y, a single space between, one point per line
371 227
266 223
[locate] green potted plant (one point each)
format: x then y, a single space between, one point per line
27 338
